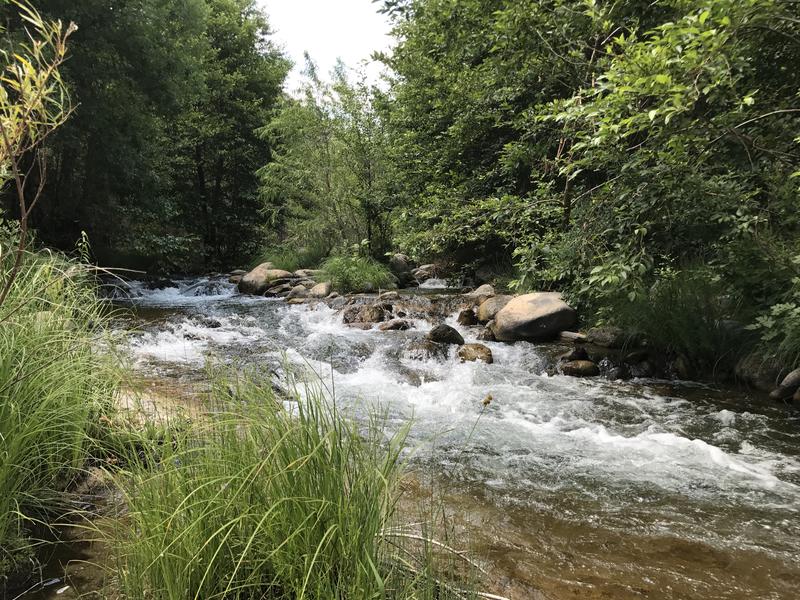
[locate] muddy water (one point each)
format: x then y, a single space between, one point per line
566 488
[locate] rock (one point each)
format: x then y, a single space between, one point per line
298 291
333 295
796 397
389 296
534 317
788 386
467 317
396 325
482 293
399 264
444 334
297 300
321 290
489 308
425 349
362 326
573 336
307 273
642 370
475 352
234 279
424 272
758 371
580 368
608 337
370 313
258 280
279 290
575 354
487 335
237 272
337 303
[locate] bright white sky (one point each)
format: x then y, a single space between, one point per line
328 29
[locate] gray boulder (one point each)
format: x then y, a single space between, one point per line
444 334
534 318
258 280
489 308
425 349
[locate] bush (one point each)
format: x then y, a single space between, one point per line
290 258
264 502
356 274
53 386
686 313
779 329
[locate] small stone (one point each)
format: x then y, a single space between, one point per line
444 334
475 352
580 368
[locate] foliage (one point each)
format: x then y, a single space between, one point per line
157 161
602 146
258 501
779 329
356 274
327 178
53 387
291 259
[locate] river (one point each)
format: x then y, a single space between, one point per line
563 487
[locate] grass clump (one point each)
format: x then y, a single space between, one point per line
54 384
356 274
258 501
291 258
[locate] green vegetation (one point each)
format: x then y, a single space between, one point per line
356 274
262 502
54 386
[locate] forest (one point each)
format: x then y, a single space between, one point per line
641 159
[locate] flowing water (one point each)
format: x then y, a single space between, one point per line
566 488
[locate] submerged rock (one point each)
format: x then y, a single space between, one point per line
580 368
444 334
475 352
534 317
425 349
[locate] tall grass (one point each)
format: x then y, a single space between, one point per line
264 500
53 385
356 274
291 258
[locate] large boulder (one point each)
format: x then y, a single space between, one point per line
475 352
321 290
534 318
759 371
258 280
788 386
489 308
444 334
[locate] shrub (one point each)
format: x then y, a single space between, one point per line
258 501
290 258
356 274
779 329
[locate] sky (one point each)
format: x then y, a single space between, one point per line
328 29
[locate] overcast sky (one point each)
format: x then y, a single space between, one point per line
328 29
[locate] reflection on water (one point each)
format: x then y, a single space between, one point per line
570 488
